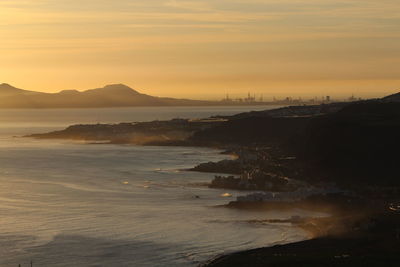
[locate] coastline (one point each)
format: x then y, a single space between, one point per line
339 240
343 212
308 148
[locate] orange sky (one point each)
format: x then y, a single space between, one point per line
203 48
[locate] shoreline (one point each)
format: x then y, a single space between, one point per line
288 149
349 236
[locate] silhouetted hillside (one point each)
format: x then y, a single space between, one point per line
392 98
358 143
263 130
116 95
8 90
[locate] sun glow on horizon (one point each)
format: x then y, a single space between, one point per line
203 49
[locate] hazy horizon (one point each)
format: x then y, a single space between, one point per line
217 97
203 49
207 133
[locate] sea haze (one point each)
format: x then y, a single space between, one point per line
73 204
25 121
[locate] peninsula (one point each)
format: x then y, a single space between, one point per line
337 158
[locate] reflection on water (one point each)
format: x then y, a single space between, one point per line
71 204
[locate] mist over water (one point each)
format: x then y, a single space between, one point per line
73 204
28 120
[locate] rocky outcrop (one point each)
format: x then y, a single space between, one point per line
255 181
224 166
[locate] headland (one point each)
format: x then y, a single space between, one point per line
336 158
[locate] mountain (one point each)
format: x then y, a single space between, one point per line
114 95
8 90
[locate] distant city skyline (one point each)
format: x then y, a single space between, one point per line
255 96
203 49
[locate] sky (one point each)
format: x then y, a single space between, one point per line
203 48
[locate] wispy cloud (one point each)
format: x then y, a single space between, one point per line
190 5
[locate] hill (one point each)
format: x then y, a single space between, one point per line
392 98
115 95
354 145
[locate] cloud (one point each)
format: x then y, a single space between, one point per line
229 37
190 5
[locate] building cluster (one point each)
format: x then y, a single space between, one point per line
298 195
252 98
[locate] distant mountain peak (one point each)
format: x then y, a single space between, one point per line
7 86
118 87
69 91
112 95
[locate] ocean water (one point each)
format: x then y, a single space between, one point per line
28 120
65 203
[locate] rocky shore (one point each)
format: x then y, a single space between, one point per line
254 168
335 158
351 237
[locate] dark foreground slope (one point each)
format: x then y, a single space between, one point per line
351 237
357 144
355 147
321 252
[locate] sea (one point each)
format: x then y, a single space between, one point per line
68 203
